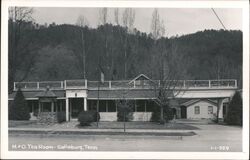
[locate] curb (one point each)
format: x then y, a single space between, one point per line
88 132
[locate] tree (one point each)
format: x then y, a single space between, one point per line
170 84
103 16
20 47
19 109
128 20
116 16
234 114
56 63
125 112
166 60
157 25
83 22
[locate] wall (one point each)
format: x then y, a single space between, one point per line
203 110
138 116
108 116
142 116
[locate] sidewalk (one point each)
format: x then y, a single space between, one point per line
153 132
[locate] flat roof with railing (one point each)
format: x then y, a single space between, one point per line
126 84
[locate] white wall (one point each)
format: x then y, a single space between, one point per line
138 116
203 110
142 116
108 116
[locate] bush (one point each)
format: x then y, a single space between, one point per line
124 111
234 114
87 117
96 115
19 110
168 115
61 117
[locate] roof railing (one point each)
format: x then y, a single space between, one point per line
124 84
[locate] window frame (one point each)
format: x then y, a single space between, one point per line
197 110
210 111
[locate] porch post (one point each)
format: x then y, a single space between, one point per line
67 109
61 106
85 104
52 107
39 107
135 106
220 103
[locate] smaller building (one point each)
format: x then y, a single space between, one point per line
199 109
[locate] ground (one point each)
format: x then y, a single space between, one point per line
209 138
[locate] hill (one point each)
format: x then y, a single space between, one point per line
56 53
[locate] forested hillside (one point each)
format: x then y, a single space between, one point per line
57 53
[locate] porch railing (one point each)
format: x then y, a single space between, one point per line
140 84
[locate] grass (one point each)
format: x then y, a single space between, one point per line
103 125
139 125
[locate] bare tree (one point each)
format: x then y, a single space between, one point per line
166 64
128 20
157 25
83 22
103 16
20 19
116 16
171 73
124 109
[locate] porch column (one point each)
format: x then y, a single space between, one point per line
85 104
52 107
220 107
39 107
67 109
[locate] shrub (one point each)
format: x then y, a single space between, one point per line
61 117
234 114
87 117
19 110
168 114
124 111
95 114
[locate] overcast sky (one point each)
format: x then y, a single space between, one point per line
177 21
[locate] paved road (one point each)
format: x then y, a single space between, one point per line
214 138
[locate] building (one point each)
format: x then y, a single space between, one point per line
195 98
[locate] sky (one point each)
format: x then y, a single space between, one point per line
177 21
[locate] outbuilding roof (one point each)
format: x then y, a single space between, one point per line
194 101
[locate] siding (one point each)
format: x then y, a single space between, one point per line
203 110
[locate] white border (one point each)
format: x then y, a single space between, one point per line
124 155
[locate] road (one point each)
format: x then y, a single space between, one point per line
210 138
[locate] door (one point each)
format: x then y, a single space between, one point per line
77 105
183 112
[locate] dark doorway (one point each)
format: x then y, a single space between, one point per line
77 105
183 112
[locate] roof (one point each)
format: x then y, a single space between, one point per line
139 77
120 94
194 101
33 94
46 93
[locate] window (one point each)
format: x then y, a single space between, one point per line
111 106
140 106
102 106
210 109
197 110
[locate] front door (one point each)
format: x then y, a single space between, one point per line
77 105
183 112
